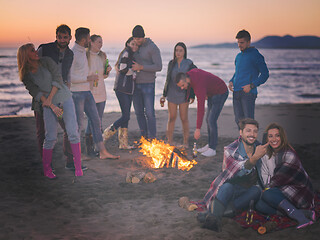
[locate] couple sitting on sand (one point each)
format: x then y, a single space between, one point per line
271 176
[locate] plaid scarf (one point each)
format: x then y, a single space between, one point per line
291 178
232 163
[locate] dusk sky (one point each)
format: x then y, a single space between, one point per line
164 21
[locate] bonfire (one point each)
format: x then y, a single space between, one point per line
164 155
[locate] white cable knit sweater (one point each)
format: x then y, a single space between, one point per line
79 70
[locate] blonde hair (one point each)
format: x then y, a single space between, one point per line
101 54
23 60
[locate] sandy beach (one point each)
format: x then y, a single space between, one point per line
101 205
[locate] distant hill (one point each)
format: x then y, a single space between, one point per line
285 42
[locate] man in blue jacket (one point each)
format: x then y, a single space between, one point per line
251 71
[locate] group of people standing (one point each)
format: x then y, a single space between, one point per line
80 73
66 83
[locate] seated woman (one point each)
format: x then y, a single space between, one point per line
287 185
42 79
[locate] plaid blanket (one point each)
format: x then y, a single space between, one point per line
291 178
232 163
277 222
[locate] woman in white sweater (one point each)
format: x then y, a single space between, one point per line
98 65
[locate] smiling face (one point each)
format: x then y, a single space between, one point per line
133 45
63 40
249 134
32 54
96 45
274 138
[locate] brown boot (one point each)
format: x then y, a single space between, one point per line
108 132
123 138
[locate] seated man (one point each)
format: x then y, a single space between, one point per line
236 185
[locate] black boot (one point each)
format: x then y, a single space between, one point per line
89 146
212 218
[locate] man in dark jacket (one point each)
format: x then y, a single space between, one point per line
60 52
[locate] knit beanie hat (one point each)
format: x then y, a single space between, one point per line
138 32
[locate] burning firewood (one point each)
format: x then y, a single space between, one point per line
185 203
159 154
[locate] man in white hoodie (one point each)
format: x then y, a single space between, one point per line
80 88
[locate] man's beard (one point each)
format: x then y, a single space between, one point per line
248 143
62 46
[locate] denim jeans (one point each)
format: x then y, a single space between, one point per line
240 196
143 102
125 101
84 102
51 124
41 136
100 108
215 105
270 200
243 105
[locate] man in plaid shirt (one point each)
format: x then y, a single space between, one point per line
237 184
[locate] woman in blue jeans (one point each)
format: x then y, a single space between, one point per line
287 185
123 87
44 83
97 61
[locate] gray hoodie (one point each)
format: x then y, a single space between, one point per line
149 56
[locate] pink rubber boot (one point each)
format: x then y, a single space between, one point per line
46 161
76 151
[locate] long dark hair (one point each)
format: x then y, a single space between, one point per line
181 44
126 47
284 146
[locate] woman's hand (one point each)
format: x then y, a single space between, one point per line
47 102
162 101
93 77
57 111
109 68
191 100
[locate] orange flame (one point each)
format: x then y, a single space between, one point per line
160 153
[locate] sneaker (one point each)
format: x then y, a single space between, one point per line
70 166
209 153
203 149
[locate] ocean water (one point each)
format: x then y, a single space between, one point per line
294 77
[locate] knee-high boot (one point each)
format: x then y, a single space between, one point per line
295 214
123 138
76 151
46 161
